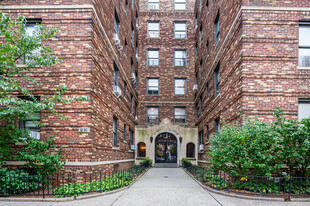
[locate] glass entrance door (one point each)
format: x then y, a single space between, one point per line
166 148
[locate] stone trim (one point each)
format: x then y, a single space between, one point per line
75 6
89 164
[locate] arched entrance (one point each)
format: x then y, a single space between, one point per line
166 148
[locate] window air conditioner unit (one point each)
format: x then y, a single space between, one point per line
136 118
201 147
35 135
195 88
137 57
133 77
117 42
117 91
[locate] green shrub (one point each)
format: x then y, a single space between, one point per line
186 163
252 148
17 182
146 162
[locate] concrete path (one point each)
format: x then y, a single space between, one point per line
161 186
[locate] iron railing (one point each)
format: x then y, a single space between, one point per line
283 186
69 184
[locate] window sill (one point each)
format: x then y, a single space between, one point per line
180 66
131 151
303 68
115 148
140 158
180 38
153 37
154 95
152 65
178 123
21 143
180 95
191 158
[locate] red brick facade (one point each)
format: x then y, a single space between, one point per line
256 56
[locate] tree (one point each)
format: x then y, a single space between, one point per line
17 102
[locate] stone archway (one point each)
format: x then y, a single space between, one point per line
166 150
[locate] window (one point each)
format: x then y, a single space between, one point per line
207 48
201 70
197 111
207 132
153 4
115 75
200 104
125 89
136 48
200 34
31 26
180 30
304 45
152 115
217 28
207 90
125 50
152 86
115 125
136 82
141 149
132 4
153 57
30 123
217 80
116 26
180 114
125 131
200 5
136 109
303 109
132 35
153 29
131 134
200 137
180 4
196 54
126 6
190 150
180 86
217 125
207 7
131 103
131 66
180 57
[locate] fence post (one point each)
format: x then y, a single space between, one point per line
289 195
43 184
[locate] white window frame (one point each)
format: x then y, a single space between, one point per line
182 59
180 3
154 59
148 30
185 31
153 2
303 61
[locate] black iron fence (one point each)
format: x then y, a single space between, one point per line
284 186
67 185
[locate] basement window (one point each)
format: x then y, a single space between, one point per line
153 4
303 109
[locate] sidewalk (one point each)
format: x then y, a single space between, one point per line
162 186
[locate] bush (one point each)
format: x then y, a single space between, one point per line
238 149
186 163
17 182
146 162
259 148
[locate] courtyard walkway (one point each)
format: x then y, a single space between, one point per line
161 186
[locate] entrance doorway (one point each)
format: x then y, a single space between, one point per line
166 148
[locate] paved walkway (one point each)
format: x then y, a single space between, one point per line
161 186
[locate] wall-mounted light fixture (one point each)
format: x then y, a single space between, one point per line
151 139
180 138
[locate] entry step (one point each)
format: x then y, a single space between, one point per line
165 165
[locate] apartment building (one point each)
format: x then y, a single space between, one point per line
163 75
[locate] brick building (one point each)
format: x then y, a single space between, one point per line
162 75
